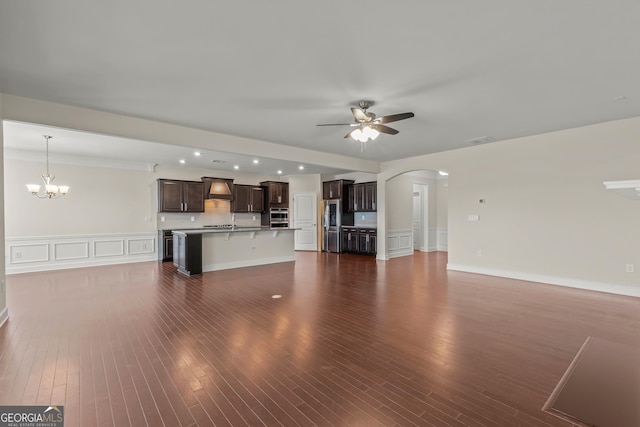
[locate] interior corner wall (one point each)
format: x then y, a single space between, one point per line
547 216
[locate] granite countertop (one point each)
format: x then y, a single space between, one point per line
206 230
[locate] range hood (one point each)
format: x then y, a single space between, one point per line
218 188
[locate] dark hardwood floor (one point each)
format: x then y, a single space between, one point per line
352 341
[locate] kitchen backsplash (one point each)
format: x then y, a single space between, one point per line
365 219
215 212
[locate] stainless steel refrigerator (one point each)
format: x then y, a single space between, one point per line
331 222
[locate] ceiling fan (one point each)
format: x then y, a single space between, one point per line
367 125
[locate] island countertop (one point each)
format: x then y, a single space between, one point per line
206 230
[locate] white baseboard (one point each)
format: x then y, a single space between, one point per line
611 288
248 263
31 254
4 316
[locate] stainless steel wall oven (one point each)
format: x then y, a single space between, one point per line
279 217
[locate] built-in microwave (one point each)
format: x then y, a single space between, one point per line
279 217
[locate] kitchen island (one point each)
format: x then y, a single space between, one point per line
199 250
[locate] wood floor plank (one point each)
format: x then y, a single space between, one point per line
352 341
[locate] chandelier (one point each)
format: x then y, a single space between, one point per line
51 191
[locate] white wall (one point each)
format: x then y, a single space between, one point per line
3 288
399 203
442 203
310 183
399 213
547 215
101 200
356 177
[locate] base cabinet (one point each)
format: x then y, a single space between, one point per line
350 241
187 253
359 240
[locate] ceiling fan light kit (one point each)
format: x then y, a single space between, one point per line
367 125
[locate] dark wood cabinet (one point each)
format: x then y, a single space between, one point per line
276 194
367 241
370 196
336 189
180 196
350 239
247 198
187 253
359 240
363 197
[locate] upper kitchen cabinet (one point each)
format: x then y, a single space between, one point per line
276 194
335 189
180 196
247 198
363 197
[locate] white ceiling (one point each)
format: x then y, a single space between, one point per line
273 70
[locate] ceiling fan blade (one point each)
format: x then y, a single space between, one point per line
384 129
394 117
338 124
360 115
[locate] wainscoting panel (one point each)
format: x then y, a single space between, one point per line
108 248
141 246
27 254
399 243
70 250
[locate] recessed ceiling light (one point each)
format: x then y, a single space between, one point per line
443 173
183 161
197 154
256 161
279 172
301 167
236 167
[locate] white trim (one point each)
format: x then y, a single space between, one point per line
81 251
628 189
442 240
248 263
399 243
4 316
611 288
